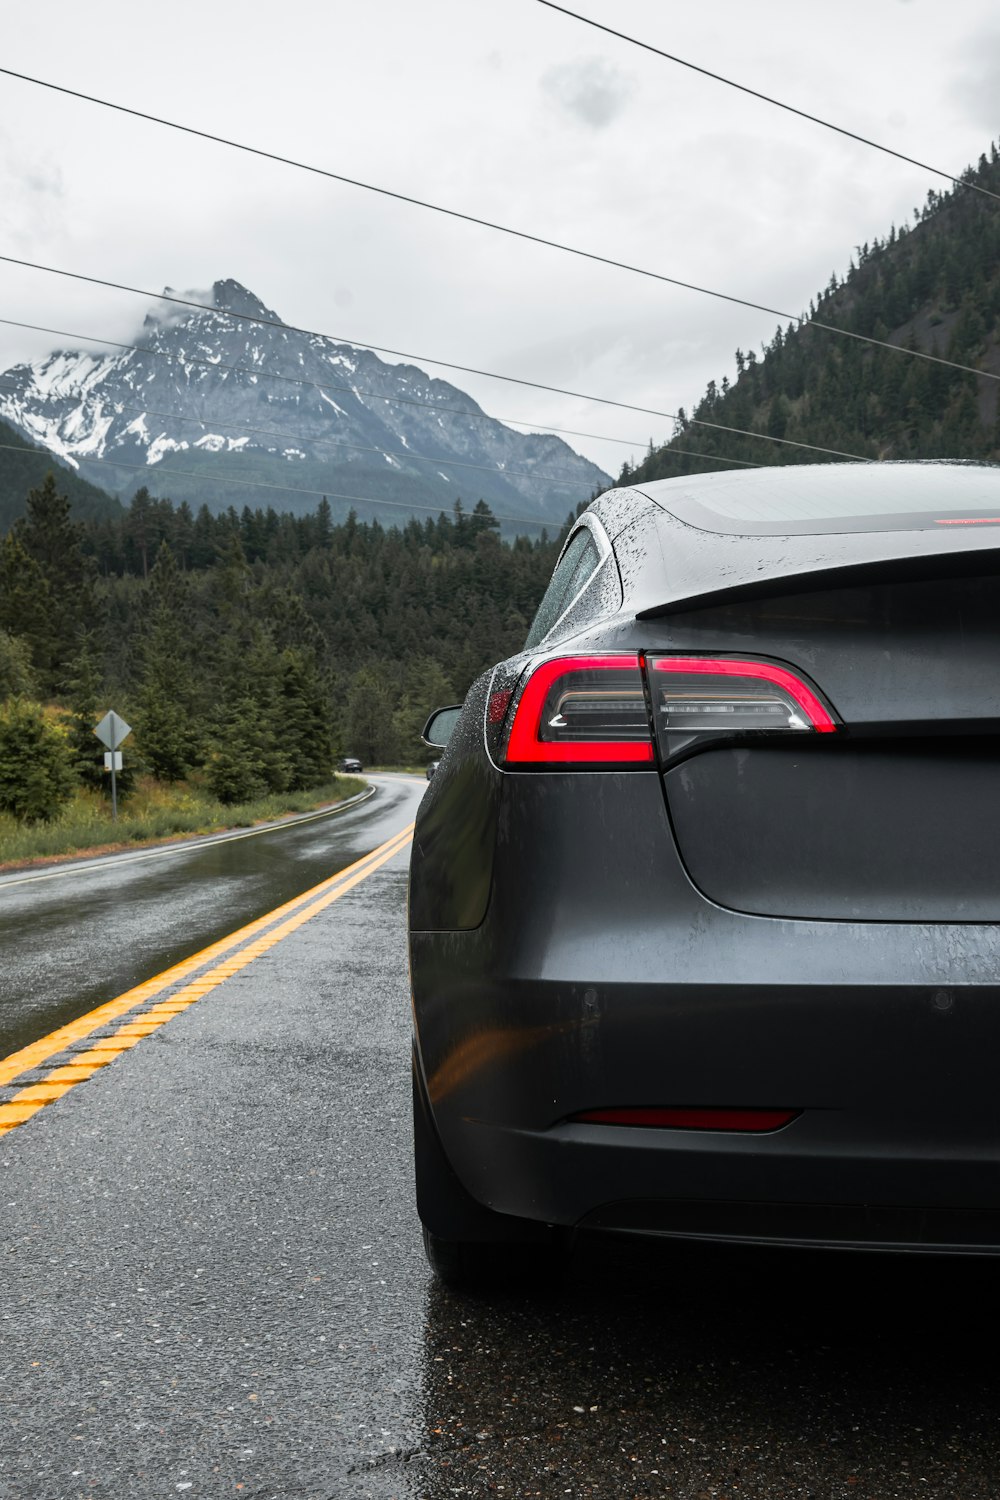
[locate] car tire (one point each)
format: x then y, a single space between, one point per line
469 1246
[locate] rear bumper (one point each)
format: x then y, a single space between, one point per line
600 977
805 1184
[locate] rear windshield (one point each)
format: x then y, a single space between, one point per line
820 498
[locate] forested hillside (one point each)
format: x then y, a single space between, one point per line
935 287
23 464
249 649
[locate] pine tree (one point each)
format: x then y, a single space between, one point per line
304 718
165 721
236 769
368 725
85 690
427 688
65 577
139 527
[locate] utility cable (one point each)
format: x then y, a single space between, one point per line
322 385
297 437
767 99
209 423
458 411
535 385
454 213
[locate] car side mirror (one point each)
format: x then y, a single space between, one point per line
439 727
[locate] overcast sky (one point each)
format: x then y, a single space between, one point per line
508 111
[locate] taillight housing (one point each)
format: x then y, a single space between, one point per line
702 697
593 712
581 712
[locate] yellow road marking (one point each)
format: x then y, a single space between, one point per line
296 913
36 1053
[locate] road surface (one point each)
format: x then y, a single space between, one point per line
213 1287
75 934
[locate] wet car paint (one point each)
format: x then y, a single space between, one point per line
604 948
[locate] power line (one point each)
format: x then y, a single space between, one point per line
535 385
341 443
288 489
454 213
209 422
767 99
356 390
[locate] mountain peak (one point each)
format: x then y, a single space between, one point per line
227 295
279 408
232 296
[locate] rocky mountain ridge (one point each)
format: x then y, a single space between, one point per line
229 406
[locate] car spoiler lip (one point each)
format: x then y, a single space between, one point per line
711 568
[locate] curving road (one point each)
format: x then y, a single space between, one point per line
76 934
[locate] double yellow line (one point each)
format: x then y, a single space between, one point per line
235 951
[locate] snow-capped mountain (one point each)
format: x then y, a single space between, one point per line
222 409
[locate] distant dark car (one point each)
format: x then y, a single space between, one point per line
350 765
431 768
705 896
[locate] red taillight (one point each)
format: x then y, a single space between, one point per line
710 1118
582 711
728 695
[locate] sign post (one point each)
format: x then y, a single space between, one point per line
112 731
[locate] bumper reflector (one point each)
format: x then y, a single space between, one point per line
711 1118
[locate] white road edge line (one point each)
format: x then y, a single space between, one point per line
185 846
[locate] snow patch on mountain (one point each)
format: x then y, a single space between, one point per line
201 373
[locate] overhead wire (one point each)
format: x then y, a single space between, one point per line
536 385
259 373
962 182
323 385
454 213
211 422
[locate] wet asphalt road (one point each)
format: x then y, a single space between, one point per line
213 1286
79 934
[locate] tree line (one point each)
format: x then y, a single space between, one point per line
251 648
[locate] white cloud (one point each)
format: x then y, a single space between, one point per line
976 88
592 90
492 110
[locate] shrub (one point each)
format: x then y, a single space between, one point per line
36 772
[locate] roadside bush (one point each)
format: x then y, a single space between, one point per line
36 771
15 666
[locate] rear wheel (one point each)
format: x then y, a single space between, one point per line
467 1245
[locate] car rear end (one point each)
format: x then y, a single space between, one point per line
734 967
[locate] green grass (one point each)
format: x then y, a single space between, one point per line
152 813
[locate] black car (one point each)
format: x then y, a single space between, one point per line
705 896
350 765
430 770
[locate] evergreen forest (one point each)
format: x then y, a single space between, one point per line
248 649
